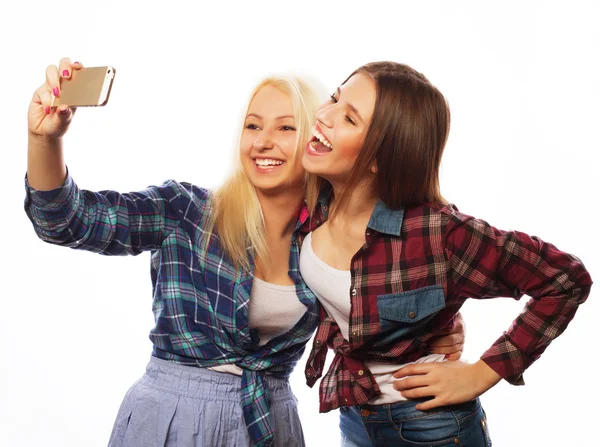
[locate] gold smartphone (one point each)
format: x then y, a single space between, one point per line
87 87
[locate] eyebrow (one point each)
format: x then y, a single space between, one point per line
256 115
350 106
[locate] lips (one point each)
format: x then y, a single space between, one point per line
267 164
316 146
319 144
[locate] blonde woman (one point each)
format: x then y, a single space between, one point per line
231 323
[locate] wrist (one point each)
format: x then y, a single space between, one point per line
43 139
486 376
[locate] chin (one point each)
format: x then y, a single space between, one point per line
309 166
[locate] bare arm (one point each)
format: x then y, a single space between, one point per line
46 168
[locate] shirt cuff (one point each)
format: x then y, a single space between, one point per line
50 200
507 360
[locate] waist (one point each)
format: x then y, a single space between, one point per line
203 383
383 375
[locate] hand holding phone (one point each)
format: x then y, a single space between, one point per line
67 87
87 87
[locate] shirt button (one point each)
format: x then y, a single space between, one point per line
354 292
361 373
354 333
325 208
318 342
411 315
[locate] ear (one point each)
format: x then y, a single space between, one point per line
374 168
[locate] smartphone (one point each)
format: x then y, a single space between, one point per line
87 87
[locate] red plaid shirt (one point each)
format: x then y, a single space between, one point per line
416 269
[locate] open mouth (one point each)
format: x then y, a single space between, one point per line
267 164
319 144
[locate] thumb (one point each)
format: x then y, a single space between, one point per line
62 117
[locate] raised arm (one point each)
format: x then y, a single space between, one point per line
106 222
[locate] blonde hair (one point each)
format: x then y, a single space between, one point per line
237 215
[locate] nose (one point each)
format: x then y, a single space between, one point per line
264 141
325 115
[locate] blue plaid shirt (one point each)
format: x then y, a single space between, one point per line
200 301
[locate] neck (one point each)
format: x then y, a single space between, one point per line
360 204
280 211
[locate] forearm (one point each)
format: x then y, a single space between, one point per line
487 376
46 168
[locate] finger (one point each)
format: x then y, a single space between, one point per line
410 383
53 79
447 340
412 370
46 101
418 393
64 112
38 92
454 356
430 404
65 67
445 350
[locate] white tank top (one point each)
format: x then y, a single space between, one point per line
332 287
273 310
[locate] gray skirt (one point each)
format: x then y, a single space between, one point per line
184 406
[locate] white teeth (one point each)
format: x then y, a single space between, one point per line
322 138
267 162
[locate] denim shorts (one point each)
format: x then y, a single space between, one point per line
402 425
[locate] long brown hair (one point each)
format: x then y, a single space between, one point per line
405 140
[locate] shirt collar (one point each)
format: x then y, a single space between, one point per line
383 219
386 220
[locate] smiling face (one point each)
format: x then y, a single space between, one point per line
342 123
269 142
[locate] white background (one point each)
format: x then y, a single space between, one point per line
522 82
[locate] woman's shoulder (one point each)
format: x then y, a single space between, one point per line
443 212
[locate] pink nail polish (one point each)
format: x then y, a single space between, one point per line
47 110
55 91
65 73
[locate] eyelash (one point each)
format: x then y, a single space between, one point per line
284 128
334 100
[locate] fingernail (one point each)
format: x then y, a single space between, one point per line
76 63
55 91
47 110
65 73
